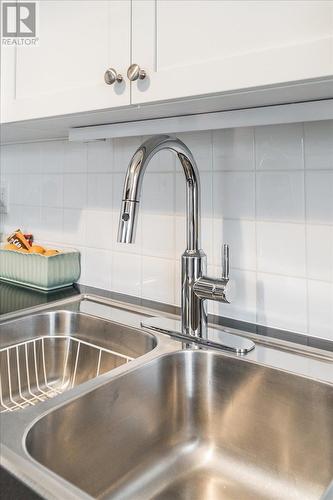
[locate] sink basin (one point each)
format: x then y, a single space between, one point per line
44 355
194 425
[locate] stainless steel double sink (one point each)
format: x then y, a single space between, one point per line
152 417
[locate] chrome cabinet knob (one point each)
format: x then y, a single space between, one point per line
111 76
134 72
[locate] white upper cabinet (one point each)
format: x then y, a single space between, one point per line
64 74
190 47
186 47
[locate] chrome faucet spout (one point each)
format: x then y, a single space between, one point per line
196 287
133 186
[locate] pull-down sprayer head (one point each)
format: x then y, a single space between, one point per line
133 184
131 197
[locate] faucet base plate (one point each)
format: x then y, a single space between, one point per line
218 339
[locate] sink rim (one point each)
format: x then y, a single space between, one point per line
66 312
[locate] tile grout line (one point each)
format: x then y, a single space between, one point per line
140 224
307 305
227 171
63 185
214 243
265 221
108 146
255 219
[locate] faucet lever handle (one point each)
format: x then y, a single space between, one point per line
225 261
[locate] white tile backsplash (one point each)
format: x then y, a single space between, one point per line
158 279
282 302
98 229
281 248
319 196
126 275
52 192
75 157
30 161
29 189
234 195
233 149
318 145
31 217
74 226
97 265
279 147
158 193
52 156
158 235
280 196
267 191
100 156
10 159
75 190
240 235
163 161
52 225
99 191
15 218
321 309
319 248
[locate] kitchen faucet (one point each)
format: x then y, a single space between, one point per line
197 287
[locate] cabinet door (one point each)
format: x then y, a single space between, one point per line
190 47
64 74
